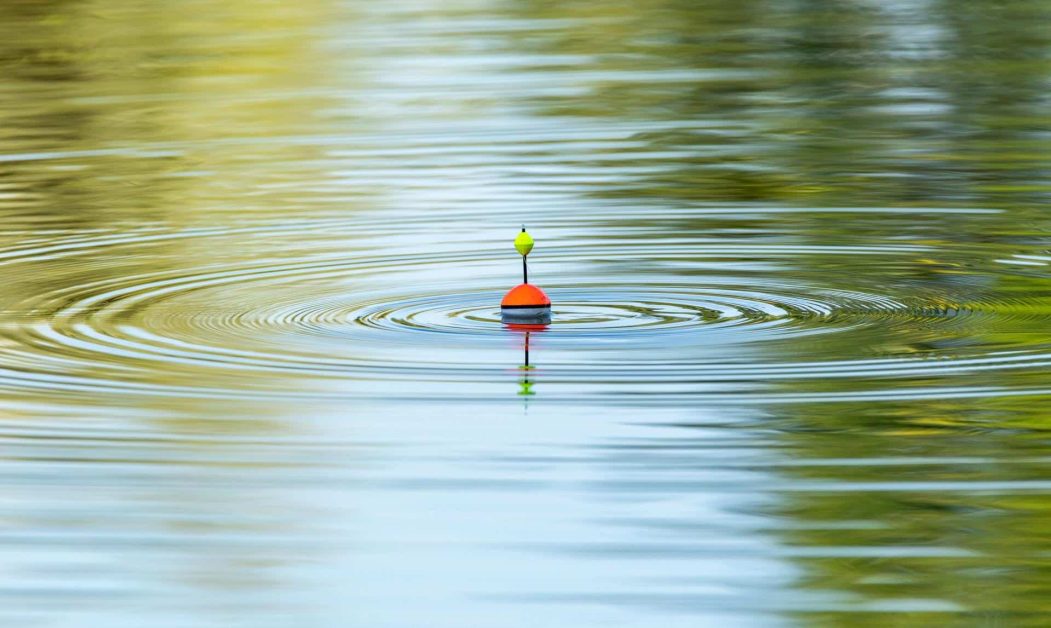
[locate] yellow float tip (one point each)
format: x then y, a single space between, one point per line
524 243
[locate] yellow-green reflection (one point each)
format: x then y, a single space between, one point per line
251 363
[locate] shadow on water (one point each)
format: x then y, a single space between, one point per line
252 368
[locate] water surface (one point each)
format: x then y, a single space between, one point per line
252 370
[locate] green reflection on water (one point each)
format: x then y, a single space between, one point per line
766 136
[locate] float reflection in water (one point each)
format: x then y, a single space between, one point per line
525 384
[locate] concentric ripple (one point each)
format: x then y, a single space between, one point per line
601 311
361 323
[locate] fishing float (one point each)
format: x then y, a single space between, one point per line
525 303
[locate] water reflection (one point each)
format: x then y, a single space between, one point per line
525 384
252 367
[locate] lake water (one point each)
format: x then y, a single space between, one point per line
252 371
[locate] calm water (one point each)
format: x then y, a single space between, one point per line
251 366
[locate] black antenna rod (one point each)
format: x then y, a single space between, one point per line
525 266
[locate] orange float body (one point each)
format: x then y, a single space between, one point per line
526 302
525 295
